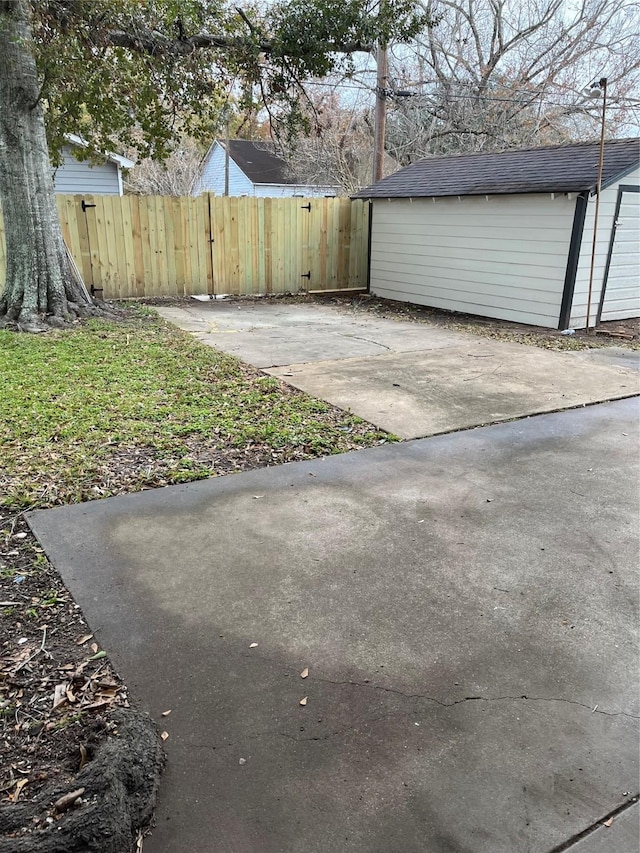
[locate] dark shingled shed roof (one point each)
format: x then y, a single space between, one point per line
557 168
260 165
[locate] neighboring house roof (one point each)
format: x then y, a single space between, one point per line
123 162
557 168
261 164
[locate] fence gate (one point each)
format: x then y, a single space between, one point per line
260 245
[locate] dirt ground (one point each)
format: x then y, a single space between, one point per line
65 721
624 333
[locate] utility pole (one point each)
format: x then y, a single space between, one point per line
226 157
382 82
601 88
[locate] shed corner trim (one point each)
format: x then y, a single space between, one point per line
577 231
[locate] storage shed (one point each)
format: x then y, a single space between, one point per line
509 234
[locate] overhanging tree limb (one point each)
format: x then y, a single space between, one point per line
115 72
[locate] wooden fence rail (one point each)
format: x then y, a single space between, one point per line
133 246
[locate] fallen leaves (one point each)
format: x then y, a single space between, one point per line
98 655
166 713
59 695
16 791
608 823
165 735
53 700
305 672
304 700
253 646
232 419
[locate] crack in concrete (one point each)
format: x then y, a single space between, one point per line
392 714
523 697
444 704
366 340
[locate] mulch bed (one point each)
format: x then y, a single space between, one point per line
64 719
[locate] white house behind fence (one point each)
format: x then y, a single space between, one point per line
254 170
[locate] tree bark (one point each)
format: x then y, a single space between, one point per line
39 284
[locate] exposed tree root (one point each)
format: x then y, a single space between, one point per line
34 323
120 786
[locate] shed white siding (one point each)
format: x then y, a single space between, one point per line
622 293
75 177
503 257
212 177
631 308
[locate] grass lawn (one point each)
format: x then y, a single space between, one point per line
115 407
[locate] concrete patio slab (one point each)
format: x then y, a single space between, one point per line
458 386
410 379
466 606
270 335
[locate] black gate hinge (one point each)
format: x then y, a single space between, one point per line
306 207
85 205
95 290
306 275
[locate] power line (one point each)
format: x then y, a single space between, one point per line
364 88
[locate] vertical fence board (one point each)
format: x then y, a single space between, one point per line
191 269
137 244
169 246
244 249
126 251
117 240
217 232
92 239
200 230
268 245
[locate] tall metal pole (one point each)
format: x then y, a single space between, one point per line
381 112
603 85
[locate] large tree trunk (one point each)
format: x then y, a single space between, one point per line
39 284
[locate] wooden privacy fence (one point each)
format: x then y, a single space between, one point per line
133 246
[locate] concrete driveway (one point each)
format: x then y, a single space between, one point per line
466 606
411 379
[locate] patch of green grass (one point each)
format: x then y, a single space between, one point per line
113 407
